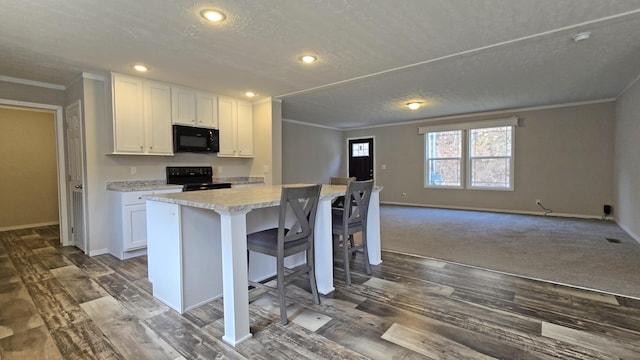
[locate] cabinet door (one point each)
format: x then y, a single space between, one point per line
128 120
134 223
245 129
207 110
157 100
183 103
227 122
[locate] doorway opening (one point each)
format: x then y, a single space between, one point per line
361 163
63 217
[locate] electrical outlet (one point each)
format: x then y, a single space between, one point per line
404 194
538 201
134 170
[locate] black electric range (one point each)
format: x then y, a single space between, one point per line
193 178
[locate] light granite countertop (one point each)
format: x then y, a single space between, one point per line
239 180
140 185
149 185
241 199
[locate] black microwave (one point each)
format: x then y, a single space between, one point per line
194 139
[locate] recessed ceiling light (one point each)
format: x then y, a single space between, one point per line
581 36
140 68
414 105
308 59
250 94
213 15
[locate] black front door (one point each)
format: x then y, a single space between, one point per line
361 159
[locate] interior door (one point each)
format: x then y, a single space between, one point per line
361 158
73 125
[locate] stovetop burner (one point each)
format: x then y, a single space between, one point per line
193 178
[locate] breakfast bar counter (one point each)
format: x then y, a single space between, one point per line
197 247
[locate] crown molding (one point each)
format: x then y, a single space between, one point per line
32 83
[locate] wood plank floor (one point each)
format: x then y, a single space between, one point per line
57 303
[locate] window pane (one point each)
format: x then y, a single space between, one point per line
490 141
444 158
444 172
491 173
360 150
445 144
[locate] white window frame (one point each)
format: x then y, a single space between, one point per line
469 184
465 181
460 167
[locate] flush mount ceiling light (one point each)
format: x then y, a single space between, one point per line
414 105
250 94
308 59
140 67
581 36
213 15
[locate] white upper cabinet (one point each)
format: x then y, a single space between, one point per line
245 129
226 115
141 117
157 113
206 110
236 128
183 104
128 119
194 108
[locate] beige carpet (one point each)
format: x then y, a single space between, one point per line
562 250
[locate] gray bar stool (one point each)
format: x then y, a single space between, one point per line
351 219
298 205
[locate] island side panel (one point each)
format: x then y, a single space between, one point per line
202 256
373 229
323 246
164 252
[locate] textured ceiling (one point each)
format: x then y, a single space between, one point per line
457 56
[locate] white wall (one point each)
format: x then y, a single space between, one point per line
310 154
563 156
29 93
627 165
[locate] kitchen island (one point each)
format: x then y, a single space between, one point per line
197 247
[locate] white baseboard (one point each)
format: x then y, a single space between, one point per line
98 252
27 226
506 211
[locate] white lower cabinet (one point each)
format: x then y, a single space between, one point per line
129 214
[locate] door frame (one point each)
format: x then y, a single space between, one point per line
375 156
72 216
63 204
